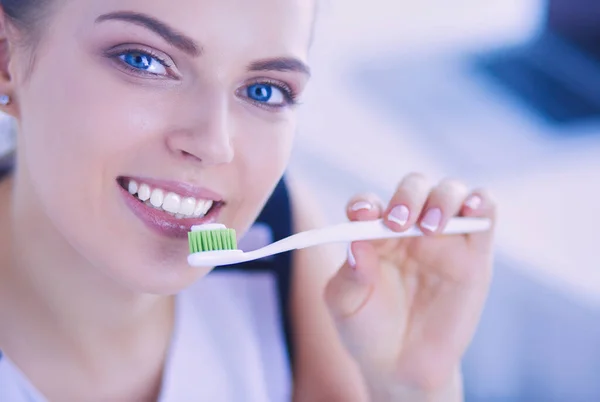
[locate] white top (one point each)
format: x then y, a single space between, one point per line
228 345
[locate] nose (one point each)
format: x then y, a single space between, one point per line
206 138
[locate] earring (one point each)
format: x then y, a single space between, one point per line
4 99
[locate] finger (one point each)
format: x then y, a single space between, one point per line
349 289
364 207
445 202
407 203
354 299
481 204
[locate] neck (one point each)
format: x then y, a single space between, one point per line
57 297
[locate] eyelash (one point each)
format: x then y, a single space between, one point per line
116 54
289 94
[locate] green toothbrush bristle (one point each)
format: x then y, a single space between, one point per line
212 240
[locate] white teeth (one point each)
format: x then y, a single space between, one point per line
171 203
200 206
132 187
207 205
187 207
178 206
157 198
144 192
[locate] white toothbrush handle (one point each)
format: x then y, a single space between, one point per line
363 230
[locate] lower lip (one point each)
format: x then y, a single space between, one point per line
162 222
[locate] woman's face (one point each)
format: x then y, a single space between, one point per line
141 118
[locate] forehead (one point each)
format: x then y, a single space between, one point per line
264 27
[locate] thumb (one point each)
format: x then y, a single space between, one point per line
350 290
368 306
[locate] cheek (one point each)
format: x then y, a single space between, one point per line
74 143
83 125
76 138
262 157
266 154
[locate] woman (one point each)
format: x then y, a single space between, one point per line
137 119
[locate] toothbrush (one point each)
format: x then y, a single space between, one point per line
215 245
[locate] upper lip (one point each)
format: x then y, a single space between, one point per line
180 188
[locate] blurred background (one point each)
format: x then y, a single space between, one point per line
501 93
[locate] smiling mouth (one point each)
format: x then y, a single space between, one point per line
178 206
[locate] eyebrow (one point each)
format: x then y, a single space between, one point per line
280 64
169 34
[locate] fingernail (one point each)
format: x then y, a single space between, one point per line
432 219
351 259
399 215
360 205
473 202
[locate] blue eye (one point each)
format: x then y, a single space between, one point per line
265 93
144 62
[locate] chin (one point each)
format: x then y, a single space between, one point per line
158 279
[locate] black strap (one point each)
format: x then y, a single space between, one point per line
277 215
6 165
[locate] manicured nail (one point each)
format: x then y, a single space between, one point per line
473 202
361 205
351 259
432 219
399 215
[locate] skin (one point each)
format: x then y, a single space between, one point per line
390 324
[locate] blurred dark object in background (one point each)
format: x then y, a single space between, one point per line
575 19
558 72
503 108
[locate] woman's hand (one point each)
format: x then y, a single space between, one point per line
406 309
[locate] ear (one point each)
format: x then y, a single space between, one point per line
8 102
